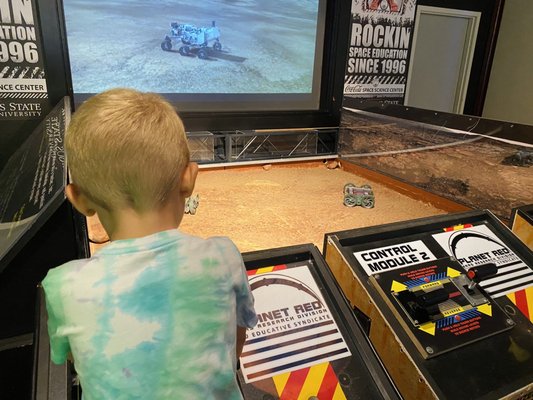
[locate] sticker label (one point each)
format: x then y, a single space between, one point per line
396 256
478 245
296 328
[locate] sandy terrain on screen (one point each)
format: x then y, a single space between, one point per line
267 46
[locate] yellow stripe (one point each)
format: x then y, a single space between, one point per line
512 297
313 381
280 381
264 270
339 394
529 298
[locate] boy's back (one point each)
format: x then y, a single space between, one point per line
152 317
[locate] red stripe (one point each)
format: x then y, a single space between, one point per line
329 384
276 268
457 227
294 385
521 302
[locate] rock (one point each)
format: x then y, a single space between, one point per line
333 164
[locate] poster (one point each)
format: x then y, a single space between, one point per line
23 90
392 257
379 49
33 177
295 327
478 245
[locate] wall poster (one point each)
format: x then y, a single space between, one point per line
23 90
33 178
379 49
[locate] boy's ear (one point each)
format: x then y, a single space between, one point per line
79 200
188 179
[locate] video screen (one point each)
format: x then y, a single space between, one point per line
207 55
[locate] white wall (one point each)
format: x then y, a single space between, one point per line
510 89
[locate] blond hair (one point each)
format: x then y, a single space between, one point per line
126 149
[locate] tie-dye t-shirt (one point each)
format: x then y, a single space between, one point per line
152 318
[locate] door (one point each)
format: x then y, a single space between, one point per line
452 48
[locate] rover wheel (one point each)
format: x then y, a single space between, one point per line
217 46
184 50
202 53
366 187
350 201
367 202
166 45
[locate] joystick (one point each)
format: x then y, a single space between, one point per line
480 273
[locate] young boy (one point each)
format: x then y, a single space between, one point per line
156 314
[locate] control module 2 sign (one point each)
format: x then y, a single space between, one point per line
397 256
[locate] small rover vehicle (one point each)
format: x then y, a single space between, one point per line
521 158
358 196
192 40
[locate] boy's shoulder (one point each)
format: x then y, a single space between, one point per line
221 248
216 246
60 271
55 279
221 244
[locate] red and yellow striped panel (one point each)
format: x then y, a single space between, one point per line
523 300
457 227
319 381
264 270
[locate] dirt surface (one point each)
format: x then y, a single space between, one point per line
276 206
467 169
118 43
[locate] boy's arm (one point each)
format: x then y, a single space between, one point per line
59 345
245 311
241 338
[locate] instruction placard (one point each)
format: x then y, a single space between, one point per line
296 328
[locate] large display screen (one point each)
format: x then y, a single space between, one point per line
207 55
